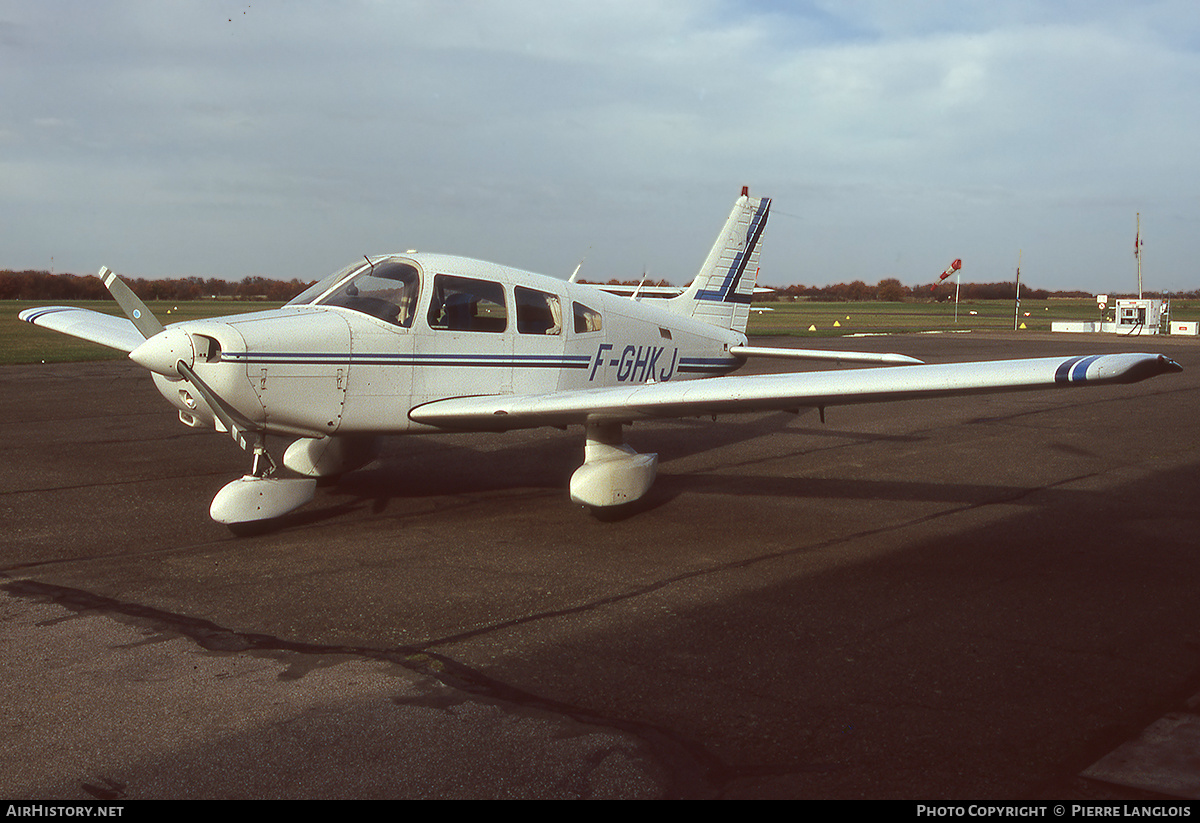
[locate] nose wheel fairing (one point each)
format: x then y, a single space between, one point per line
251 499
259 496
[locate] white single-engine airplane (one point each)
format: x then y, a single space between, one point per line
415 343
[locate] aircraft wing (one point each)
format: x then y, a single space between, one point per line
772 392
105 329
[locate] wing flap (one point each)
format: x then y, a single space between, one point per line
772 392
105 329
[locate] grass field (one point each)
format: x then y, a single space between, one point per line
25 343
850 318
897 318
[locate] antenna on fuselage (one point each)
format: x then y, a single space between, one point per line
571 279
638 291
369 263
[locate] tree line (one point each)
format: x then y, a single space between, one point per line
893 291
42 285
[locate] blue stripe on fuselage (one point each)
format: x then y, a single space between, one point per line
388 359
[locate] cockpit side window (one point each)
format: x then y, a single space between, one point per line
538 312
586 319
466 304
387 290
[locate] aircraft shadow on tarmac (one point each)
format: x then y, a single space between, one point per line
455 465
992 653
974 658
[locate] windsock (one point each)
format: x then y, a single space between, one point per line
951 269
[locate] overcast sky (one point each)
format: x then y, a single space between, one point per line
285 139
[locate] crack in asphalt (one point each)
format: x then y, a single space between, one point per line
693 770
113 483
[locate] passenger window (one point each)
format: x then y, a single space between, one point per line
585 319
465 304
538 312
386 290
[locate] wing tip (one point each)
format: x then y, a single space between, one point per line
1149 365
1167 365
32 315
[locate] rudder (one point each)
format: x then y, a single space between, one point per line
722 291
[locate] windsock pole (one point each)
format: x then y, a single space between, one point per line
957 286
1017 304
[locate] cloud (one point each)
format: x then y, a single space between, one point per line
300 134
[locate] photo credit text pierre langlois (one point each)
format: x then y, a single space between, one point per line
1100 809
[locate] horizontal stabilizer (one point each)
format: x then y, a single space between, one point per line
105 329
640 291
773 392
816 354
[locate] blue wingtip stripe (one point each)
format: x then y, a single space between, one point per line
1063 373
1079 373
36 315
1074 369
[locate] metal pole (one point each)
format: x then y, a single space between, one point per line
1137 252
1017 304
957 283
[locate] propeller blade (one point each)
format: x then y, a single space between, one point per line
143 319
239 428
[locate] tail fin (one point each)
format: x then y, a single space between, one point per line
722 291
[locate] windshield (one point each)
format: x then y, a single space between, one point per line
387 290
321 286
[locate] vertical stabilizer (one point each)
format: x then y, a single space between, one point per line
722 291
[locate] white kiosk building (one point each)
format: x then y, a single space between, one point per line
1140 315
